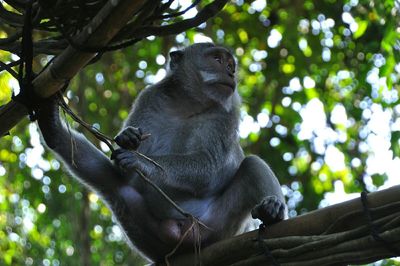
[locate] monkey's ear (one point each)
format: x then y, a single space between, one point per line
176 57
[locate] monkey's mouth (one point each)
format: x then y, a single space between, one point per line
227 85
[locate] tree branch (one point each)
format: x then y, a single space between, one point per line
104 26
100 32
338 234
207 12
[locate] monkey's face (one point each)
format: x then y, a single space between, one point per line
217 70
208 70
217 73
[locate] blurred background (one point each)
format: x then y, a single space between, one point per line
320 88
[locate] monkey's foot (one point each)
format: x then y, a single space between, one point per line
270 210
130 138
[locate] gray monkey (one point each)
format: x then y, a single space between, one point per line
192 116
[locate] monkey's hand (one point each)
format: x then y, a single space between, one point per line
270 210
130 138
128 160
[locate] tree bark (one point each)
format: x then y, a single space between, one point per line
337 234
104 26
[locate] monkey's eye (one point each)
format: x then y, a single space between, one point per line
231 68
218 58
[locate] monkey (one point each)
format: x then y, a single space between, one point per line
182 134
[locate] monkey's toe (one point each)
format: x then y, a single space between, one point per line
270 210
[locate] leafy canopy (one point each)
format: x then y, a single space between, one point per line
320 88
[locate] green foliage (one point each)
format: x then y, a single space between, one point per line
320 85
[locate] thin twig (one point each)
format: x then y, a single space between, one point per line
11 38
107 140
203 15
166 259
176 206
72 140
99 135
177 14
7 67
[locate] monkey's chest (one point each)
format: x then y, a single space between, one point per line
169 139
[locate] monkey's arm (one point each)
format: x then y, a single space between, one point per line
83 159
197 173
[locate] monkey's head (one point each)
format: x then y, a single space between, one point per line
207 72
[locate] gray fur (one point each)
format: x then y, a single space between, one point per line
208 76
193 121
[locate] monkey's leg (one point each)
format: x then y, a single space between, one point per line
254 183
144 230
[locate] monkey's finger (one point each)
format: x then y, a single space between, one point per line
145 136
121 140
129 138
124 154
133 143
127 163
134 132
120 153
114 155
116 152
127 142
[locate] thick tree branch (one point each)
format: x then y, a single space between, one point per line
104 26
337 234
103 30
154 19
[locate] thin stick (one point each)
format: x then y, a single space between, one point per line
179 209
100 136
107 140
179 243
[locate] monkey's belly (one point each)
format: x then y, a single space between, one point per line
196 207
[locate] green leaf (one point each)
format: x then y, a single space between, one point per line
362 27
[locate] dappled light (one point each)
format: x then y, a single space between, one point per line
320 89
